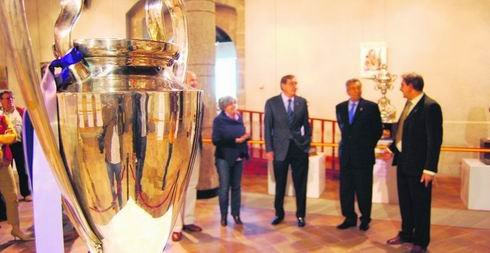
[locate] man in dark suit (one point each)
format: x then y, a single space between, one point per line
416 151
140 132
287 141
360 123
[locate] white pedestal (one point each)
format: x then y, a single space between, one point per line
316 178
47 211
384 182
384 178
475 184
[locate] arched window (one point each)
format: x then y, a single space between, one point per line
226 65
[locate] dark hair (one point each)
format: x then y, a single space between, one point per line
3 92
414 79
285 78
351 81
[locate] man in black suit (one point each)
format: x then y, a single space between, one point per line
287 141
360 123
416 151
140 132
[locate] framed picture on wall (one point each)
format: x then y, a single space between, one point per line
4 77
373 55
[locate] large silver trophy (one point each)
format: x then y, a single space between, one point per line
125 134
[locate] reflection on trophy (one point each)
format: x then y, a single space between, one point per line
384 82
127 127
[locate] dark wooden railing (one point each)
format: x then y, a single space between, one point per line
323 132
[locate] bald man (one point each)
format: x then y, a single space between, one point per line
191 79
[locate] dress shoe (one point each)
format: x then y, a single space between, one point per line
26 199
192 228
237 219
224 221
417 249
364 226
176 236
17 234
301 222
277 220
347 224
397 240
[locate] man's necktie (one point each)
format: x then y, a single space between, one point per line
403 117
352 112
290 111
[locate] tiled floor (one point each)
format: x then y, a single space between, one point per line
446 190
454 228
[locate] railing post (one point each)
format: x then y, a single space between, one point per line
312 123
250 120
333 148
261 134
323 134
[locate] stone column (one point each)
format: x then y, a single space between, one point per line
202 35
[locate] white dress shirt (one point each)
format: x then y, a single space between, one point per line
115 148
414 102
143 115
285 101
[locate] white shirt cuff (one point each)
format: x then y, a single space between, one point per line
430 172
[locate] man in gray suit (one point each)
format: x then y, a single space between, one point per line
287 141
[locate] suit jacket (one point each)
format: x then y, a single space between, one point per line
138 124
278 131
356 150
225 131
421 140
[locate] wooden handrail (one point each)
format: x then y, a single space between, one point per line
324 138
336 145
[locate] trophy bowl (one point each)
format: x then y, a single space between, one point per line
122 138
128 155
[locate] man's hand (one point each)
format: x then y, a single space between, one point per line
246 136
270 156
426 179
386 133
242 138
387 154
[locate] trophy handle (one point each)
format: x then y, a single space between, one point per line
155 28
16 33
67 18
71 10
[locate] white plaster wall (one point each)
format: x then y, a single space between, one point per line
447 41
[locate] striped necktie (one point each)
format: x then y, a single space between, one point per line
290 111
403 117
